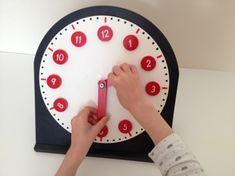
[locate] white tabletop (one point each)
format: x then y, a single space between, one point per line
204 117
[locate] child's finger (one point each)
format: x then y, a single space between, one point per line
94 116
99 125
85 112
133 69
111 78
125 67
92 121
90 109
117 70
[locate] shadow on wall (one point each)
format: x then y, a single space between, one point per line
153 10
144 8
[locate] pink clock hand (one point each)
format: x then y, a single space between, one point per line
102 98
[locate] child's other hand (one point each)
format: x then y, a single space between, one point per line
126 81
85 128
131 95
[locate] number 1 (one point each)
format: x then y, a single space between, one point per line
130 43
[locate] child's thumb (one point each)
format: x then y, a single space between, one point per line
99 125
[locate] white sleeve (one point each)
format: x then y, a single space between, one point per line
173 159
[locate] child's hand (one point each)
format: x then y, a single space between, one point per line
85 128
131 95
126 81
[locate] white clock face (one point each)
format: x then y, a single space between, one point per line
83 53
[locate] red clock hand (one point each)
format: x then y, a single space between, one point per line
102 98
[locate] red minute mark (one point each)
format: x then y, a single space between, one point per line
73 27
159 56
137 31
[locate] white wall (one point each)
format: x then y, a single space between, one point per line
201 32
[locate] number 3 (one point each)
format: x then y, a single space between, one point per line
153 89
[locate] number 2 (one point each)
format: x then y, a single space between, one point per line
148 62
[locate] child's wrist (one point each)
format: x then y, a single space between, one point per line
140 106
80 147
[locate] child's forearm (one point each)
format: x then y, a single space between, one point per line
170 153
70 163
151 120
85 128
174 159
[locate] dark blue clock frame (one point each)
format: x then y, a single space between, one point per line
51 137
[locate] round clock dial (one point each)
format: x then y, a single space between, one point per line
84 52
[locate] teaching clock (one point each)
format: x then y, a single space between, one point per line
71 68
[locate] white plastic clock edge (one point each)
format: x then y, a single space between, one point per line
127 56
